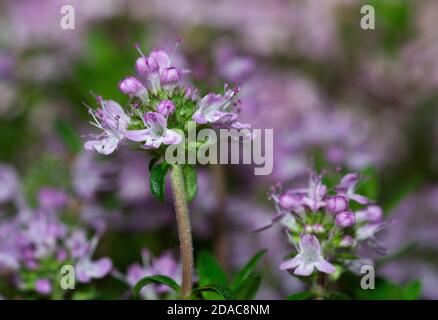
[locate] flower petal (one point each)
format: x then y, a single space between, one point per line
162 57
310 243
304 269
358 198
171 137
105 146
290 264
157 122
324 266
137 135
198 117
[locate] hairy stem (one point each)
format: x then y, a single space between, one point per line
184 229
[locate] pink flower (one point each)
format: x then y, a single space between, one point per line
309 257
347 187
156 133
113 121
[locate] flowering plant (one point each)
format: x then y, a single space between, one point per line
326 227
35 246
160 107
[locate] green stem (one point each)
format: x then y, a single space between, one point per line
184 229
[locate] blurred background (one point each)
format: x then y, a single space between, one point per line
362 100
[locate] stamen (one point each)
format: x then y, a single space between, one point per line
137 47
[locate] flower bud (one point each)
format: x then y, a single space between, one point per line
289 201
145 65
318 228
132 86
170 77
191 93
347 242
336 204
43 286
372 213
345 219
166 108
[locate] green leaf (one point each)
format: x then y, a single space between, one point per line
221 290
247 290
247 269
158 180
413 290
385 290
157 279
209 270
305 295
190 181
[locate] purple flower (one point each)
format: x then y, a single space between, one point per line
132 86
347 187
113 121
347 242
218 109
371 213
89 176
291 201
162 58
314 195
86 270
309 257
170 77
147 65
367 234
345 219
78 244
166 107
156 69
191 93
156 133
41 236
164 265
43 286
336 204
52 199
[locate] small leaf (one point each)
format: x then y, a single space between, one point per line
190 181
158 180
247 290
157 279
412 291
247 269
209 270
221 290
305 295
